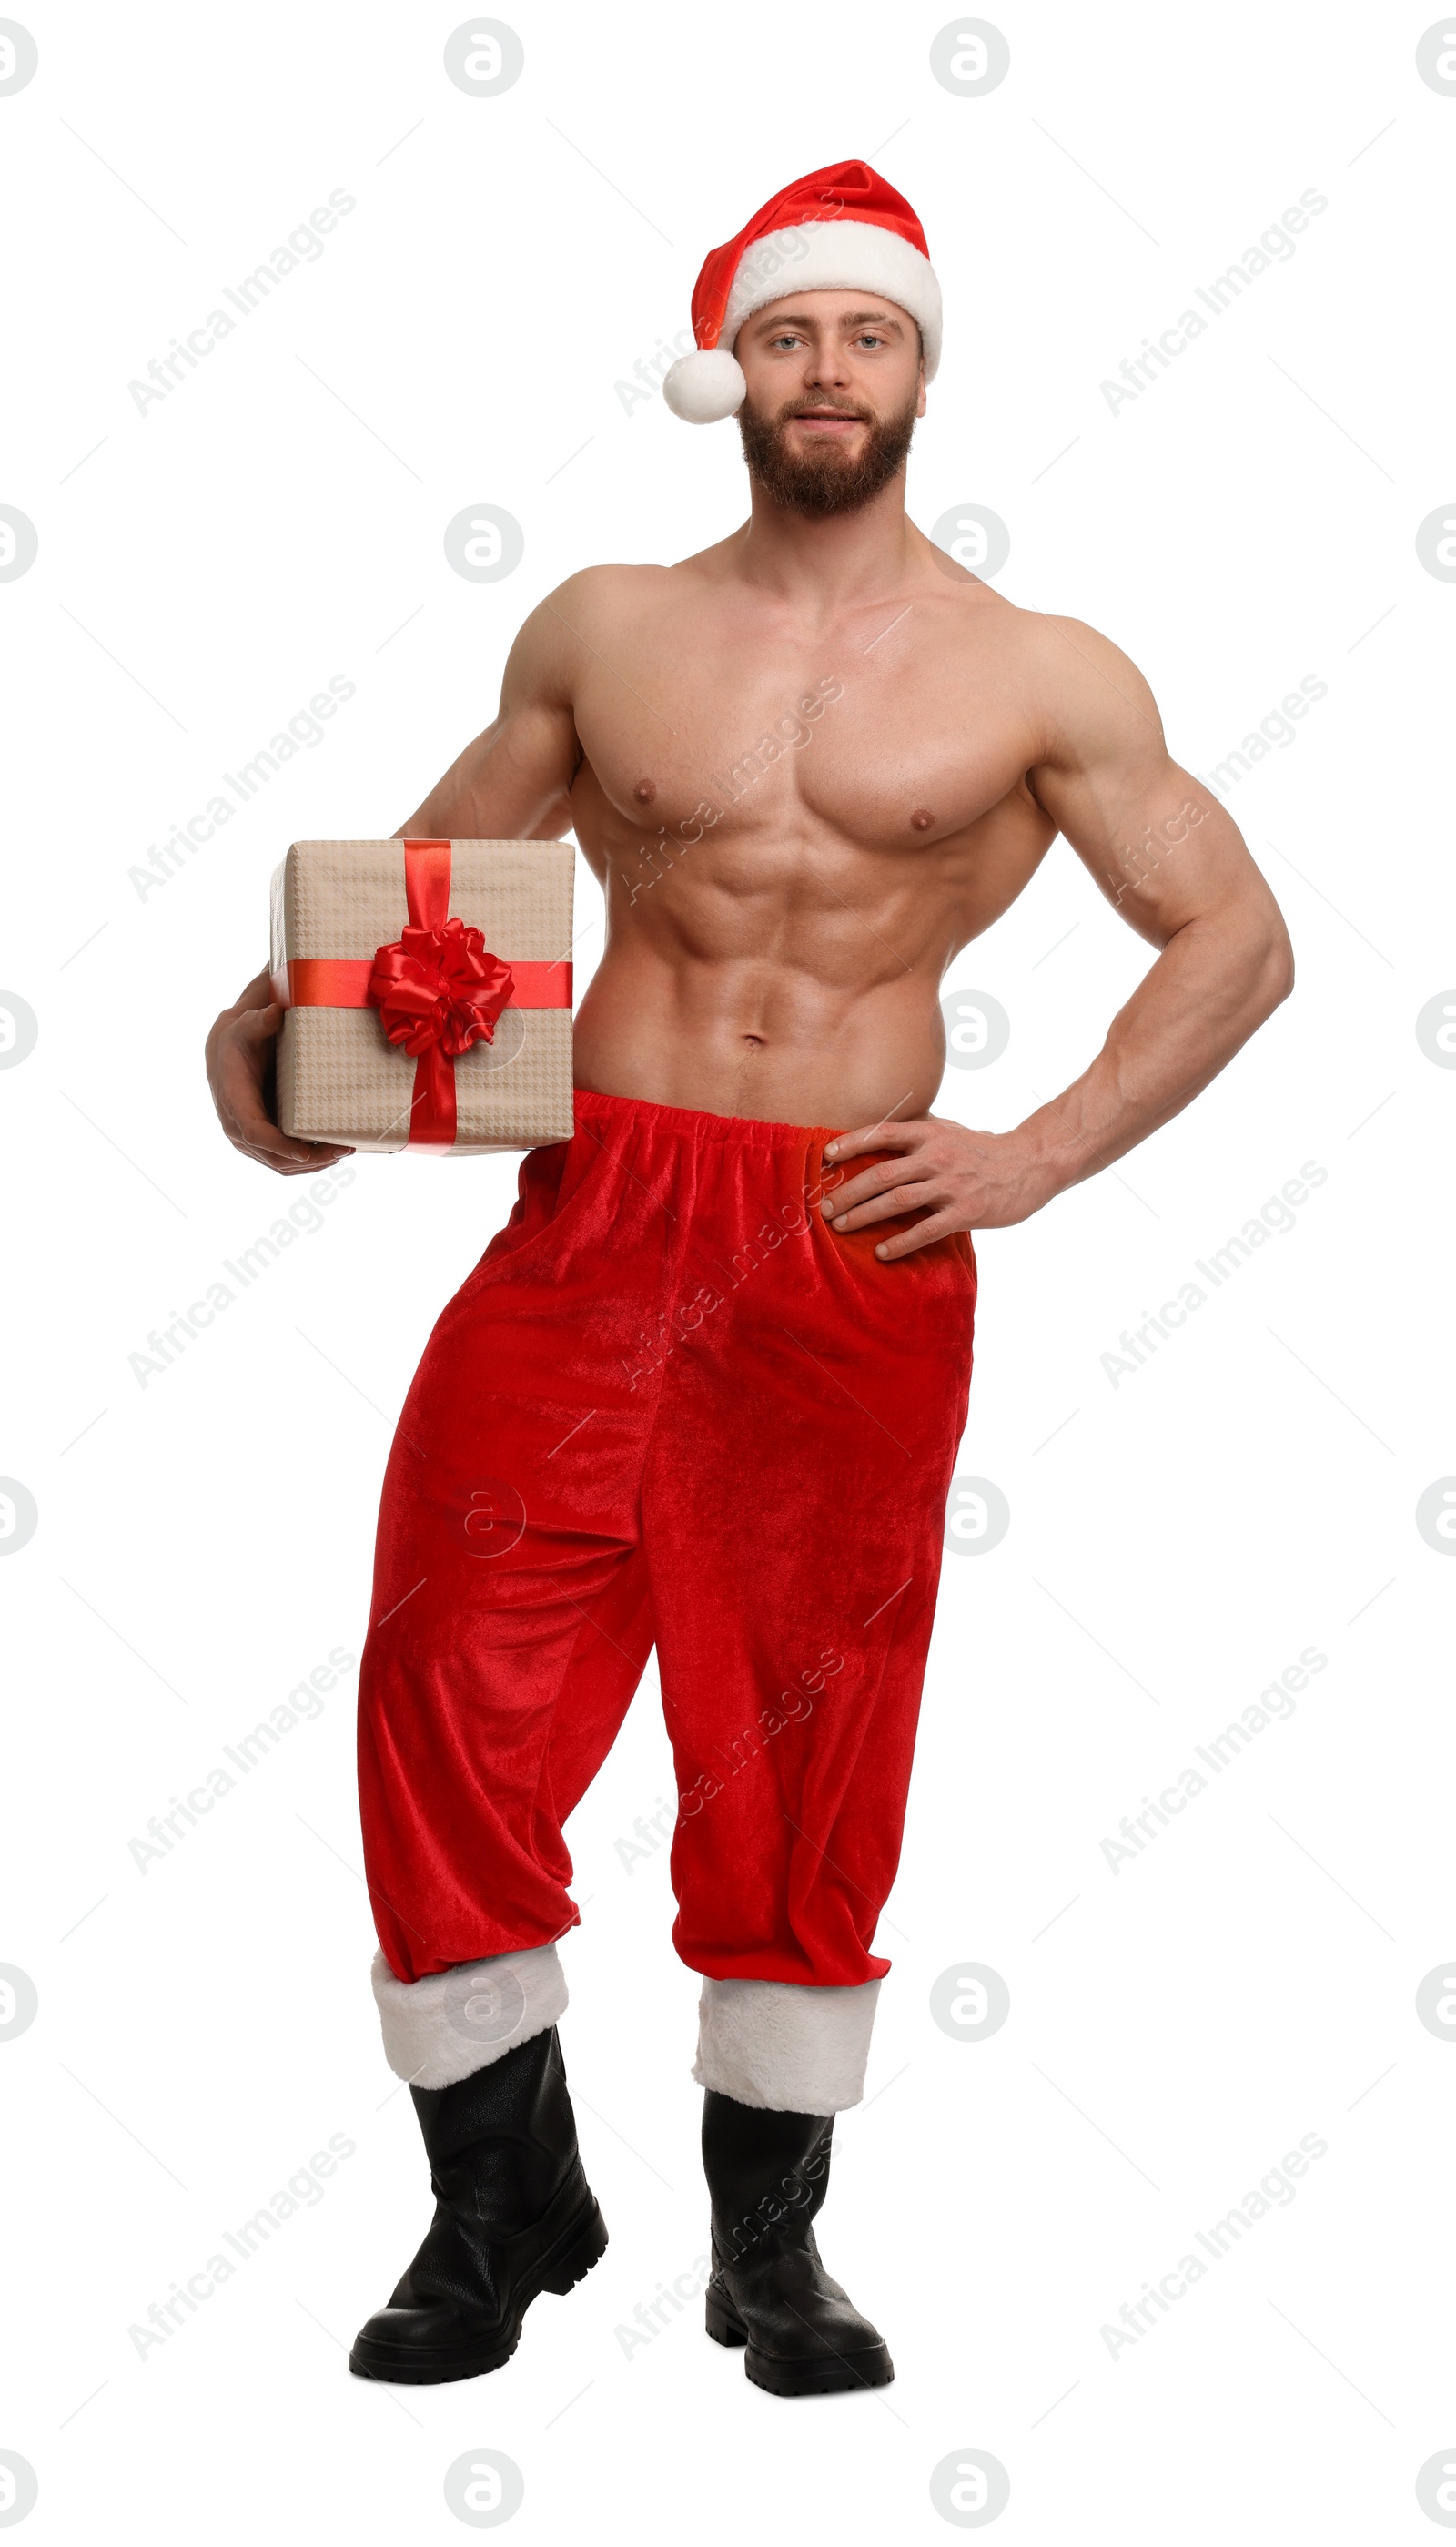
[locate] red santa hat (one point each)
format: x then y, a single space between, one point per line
839 229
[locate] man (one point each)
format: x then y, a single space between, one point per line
706 1388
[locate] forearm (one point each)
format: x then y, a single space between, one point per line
1212 987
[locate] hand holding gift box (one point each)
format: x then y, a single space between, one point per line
427 986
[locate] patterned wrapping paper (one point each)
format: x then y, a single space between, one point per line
340 1079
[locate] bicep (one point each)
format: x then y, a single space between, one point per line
1156 844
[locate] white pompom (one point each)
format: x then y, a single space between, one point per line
704 387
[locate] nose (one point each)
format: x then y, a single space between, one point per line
826 366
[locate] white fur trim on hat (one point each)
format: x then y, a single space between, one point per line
450 2024
785 2046
836 256
704 387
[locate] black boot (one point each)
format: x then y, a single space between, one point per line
767 2174
514 2216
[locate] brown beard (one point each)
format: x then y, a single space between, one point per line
824 480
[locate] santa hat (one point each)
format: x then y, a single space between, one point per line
839 229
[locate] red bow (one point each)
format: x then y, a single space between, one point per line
439 987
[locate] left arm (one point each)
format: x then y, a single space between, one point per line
1174 866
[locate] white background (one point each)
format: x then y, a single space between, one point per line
1175 1541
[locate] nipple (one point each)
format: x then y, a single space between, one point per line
921 819
645 791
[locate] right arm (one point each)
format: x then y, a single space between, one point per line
512 783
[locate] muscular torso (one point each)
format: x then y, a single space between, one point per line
801 806
795 831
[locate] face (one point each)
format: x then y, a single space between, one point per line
836 383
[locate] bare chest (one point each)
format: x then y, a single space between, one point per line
883 737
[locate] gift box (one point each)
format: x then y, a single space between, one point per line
427 986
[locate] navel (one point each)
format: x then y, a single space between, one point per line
645 791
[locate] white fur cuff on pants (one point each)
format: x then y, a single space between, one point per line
782 2044
451 2024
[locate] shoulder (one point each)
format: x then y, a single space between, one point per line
1087 691
579 619
1075 661
599 596
605 604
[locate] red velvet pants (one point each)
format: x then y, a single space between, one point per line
669 1406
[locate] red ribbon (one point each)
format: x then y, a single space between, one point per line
437 990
